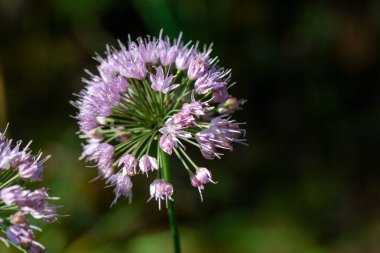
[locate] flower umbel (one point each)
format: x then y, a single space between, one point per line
18 204
155 96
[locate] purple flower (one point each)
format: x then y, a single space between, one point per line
20 201
128 63
225 128
97 100
6 153
161 190
221 134
30 170
162 83
170 134
154 92
36 247
211 81
137 69
207 143
183 58
148 50
103 156
12 194
90 148
147 163
167 143
123 185
20 234
36 204
196 108
33 202
197 68
129 164
183 119
220 94
201 177
200 64
170 55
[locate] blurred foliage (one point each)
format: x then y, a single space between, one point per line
310 180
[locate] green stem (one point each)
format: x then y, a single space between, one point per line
171 209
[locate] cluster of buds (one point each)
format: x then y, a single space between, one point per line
18 166
150 99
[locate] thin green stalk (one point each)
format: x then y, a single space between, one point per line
182 160
171 209
15 177
191 142
188 158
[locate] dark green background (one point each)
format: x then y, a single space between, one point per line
308 182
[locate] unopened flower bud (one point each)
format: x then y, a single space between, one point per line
18 218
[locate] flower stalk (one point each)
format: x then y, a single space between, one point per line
171 208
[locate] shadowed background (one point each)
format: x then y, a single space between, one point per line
308 182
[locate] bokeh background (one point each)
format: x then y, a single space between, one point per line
309 181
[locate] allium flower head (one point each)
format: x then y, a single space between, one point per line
150 97
17 166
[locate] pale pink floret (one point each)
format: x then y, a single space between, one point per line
161 190
167 143
186 117
228 129
211 81
184 57
162 83
183 119
89 149
169 55
198 66
170 134
201 177
207 143
220 95
31 170
148 50
147 163
123 185
221 134
103 156
196 108
129 164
